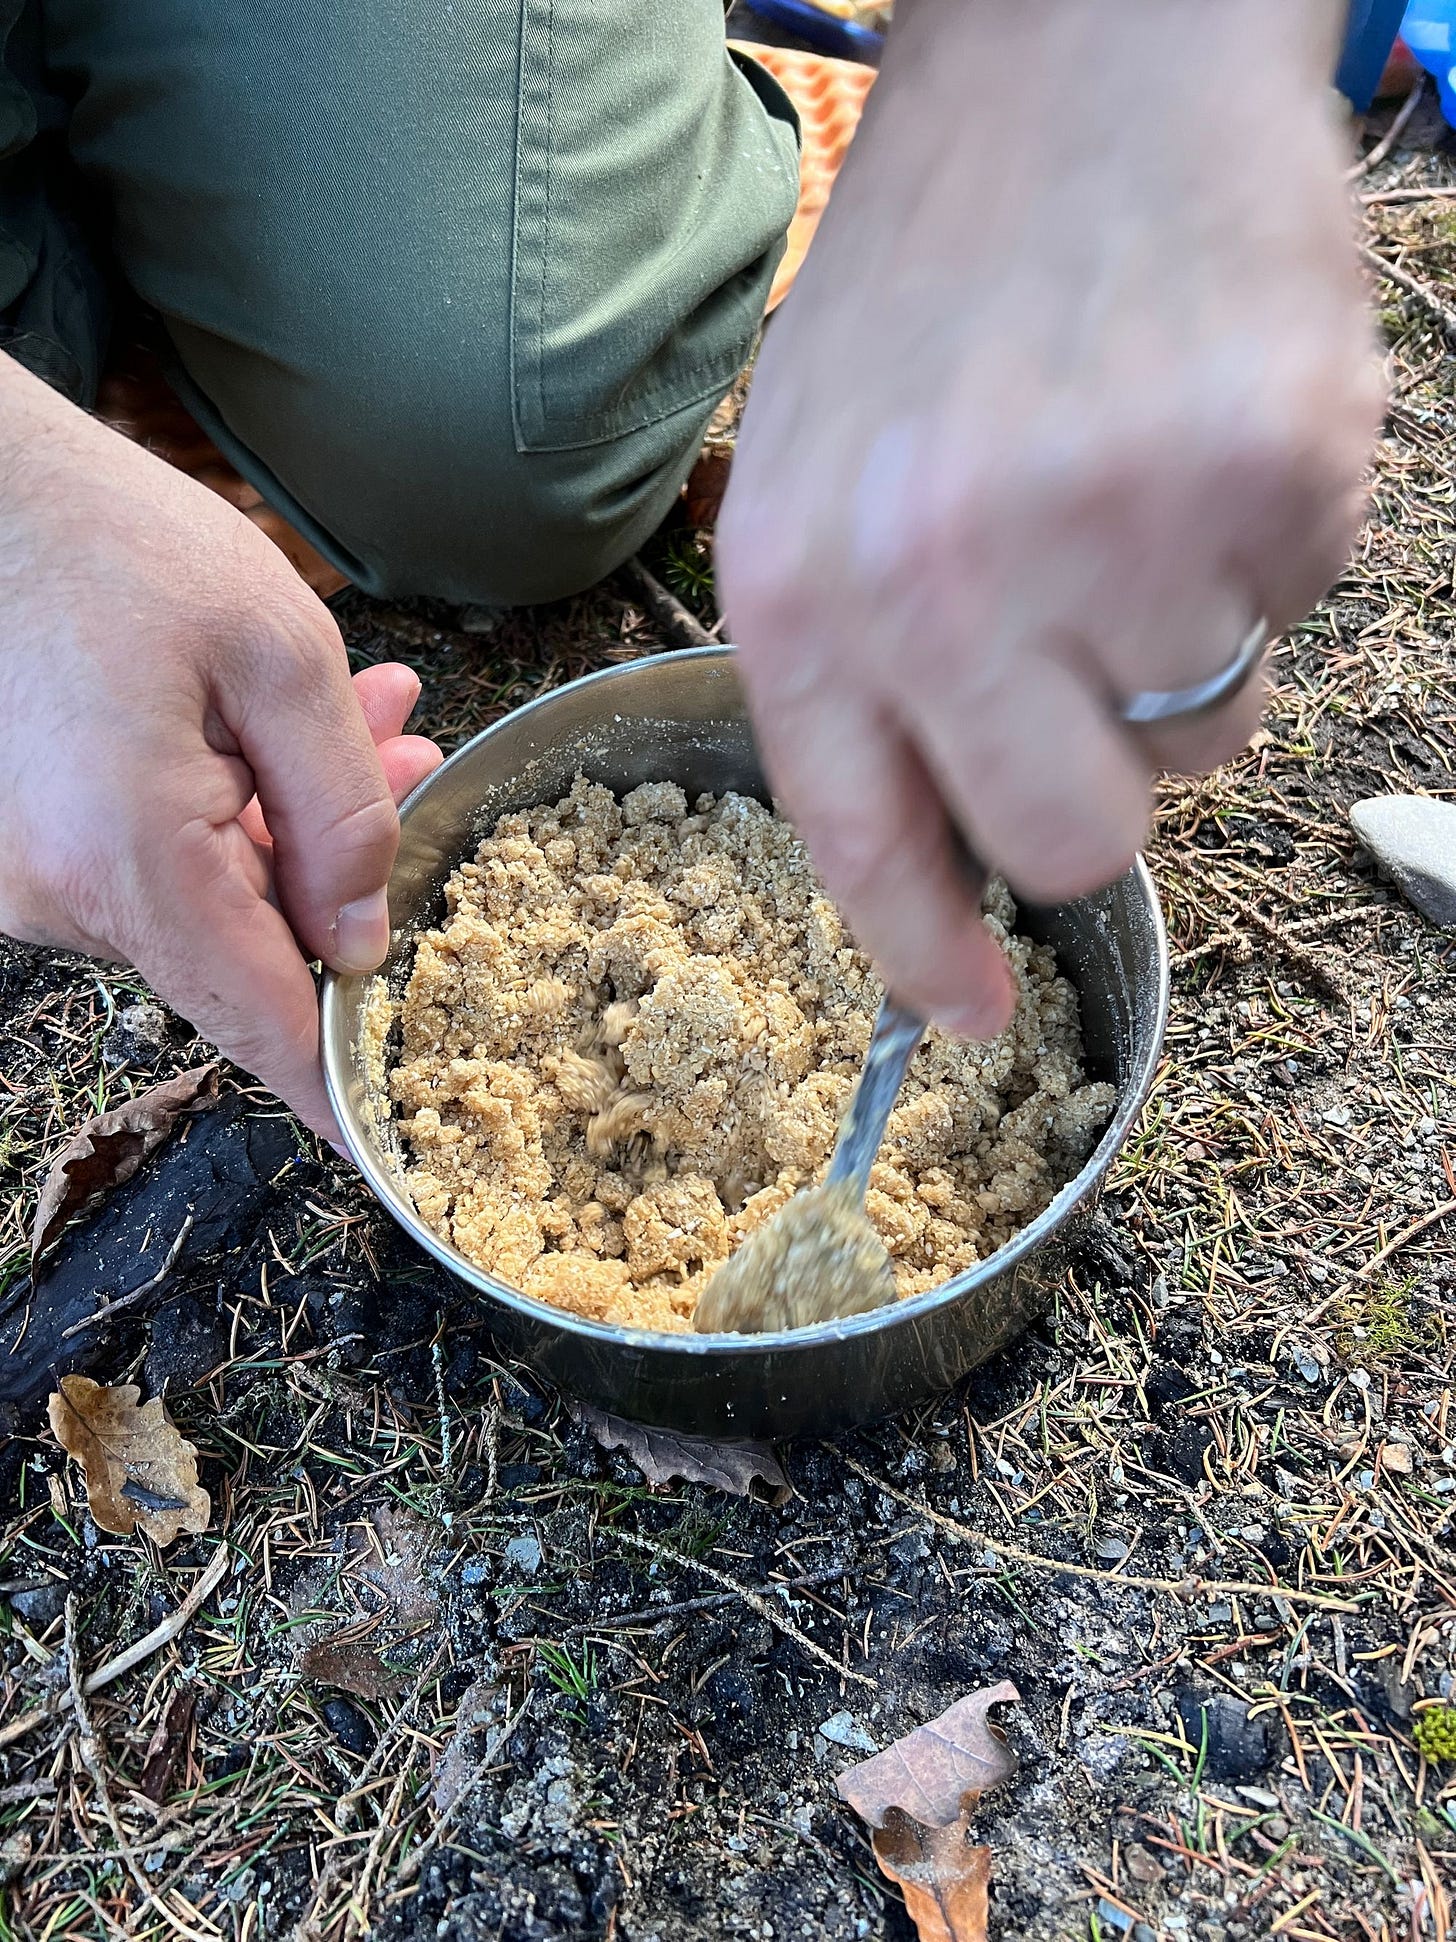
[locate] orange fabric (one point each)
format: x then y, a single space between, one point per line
830 97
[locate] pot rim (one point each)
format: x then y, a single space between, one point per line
1079 1190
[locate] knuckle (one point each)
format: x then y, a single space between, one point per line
1061 858
363 829
288 650
858 856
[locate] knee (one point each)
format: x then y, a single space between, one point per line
442 502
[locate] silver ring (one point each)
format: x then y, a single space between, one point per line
1155 705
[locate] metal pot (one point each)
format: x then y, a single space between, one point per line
681 718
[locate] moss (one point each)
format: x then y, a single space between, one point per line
1435 1733
1377 1325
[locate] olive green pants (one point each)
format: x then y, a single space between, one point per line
455 283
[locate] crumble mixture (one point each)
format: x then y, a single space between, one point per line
633 1039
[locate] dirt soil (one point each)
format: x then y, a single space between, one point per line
612 1712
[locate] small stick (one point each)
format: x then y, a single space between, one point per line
410 1866
1176 1587
649 1614
90 1750
135 1294
1407 195
763 1606
1438 308
159 1636
1392 134
682 627
1391 1247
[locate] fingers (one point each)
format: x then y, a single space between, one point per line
407 760
301 726
232 965
874 825
387 695
1050 790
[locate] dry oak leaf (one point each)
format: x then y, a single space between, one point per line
141 1472
662 1455
110 1147
352 1668
918 1796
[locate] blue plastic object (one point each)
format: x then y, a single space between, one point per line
825 31
1370 30
1429 32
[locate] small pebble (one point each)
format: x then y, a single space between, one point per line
843 1729
351 1728
1413 838
524 1553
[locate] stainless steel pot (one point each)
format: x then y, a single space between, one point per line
681 717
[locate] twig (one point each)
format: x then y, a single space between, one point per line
159 1636
412 1862
1175 1587
682 627
1436 306
135 1294
90 1750
344 1806
1392 134
1407 195
358 1910
755 1603
650 1614
162 1634
1319 974
1377 1260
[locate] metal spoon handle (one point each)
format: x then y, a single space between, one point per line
897 1031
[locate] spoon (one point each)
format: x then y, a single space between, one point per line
819 1259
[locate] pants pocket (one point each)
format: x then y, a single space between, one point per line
655 178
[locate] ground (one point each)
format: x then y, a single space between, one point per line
605 1721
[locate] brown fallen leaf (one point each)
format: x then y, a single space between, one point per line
140 1470
353 1668
394 1562
945 1879
918 1797
482 1705
661 1455
110 1147
167 1749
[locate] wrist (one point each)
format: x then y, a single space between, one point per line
1145 40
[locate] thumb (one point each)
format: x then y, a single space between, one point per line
297 722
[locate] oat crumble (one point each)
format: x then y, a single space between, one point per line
634 1035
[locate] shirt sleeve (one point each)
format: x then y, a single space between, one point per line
54 297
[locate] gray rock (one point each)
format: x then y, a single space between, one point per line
843 1729
524 1553
1413 838
138 1035
41 1605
